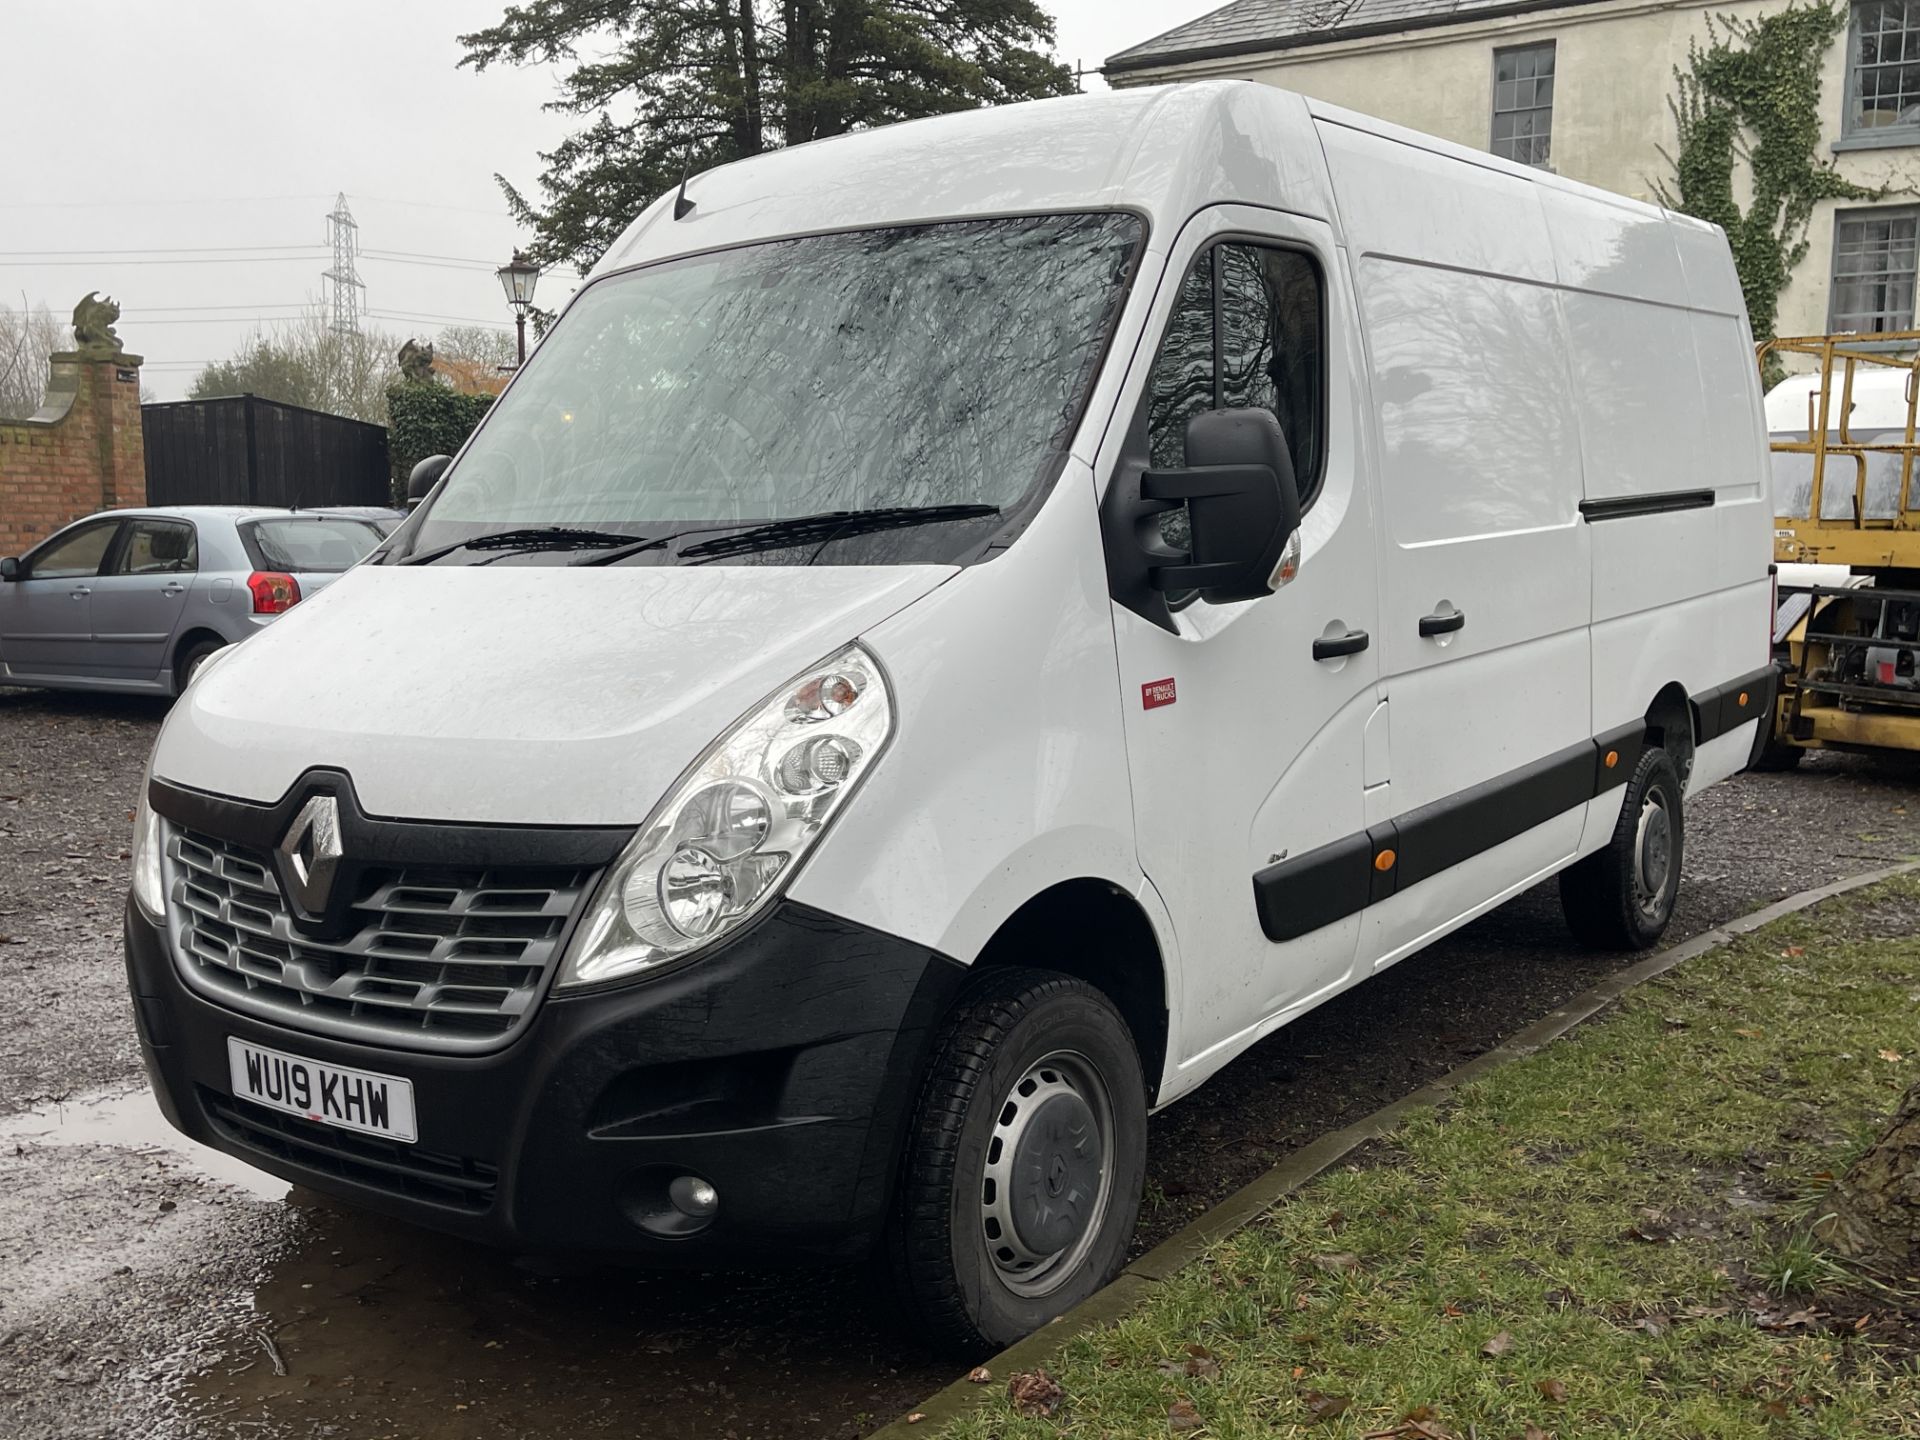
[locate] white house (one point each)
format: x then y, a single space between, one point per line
1585 87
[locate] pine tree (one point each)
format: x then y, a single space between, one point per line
674 86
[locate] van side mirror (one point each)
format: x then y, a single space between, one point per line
9 569
1242 501
424 476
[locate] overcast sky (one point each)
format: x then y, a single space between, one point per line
164 131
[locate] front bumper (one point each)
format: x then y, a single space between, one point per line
781 1069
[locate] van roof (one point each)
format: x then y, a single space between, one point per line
1165 151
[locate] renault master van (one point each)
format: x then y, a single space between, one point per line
959 631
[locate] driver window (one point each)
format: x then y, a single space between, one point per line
73 557
1249 331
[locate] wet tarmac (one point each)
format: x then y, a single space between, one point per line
152 1288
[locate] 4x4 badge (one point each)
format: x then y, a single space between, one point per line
312 852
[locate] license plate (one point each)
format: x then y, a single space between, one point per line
331 1094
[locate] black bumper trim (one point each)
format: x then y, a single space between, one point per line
782 1068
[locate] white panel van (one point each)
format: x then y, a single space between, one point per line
957 632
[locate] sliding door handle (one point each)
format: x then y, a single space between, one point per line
1438 624
1333 647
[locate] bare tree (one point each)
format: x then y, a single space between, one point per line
27 337
305 362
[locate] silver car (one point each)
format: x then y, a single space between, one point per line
137 599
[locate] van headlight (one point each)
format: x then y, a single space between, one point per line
149 888
729 836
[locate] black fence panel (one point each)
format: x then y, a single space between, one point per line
242 450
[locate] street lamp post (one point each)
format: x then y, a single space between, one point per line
517 278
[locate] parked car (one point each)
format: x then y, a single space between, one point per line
957 633
138 599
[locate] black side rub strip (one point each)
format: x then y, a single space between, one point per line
1625 507
1325 885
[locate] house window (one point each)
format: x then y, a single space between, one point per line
1883 73
1523 102
1873 270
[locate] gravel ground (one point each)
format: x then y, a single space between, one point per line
135 1292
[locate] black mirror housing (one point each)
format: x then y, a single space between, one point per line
424 476
1243 502
9 569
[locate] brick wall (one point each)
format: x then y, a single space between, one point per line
80 453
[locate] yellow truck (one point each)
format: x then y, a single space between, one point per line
1846 543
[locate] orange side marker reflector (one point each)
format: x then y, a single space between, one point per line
1743 698
1383 862
1613 758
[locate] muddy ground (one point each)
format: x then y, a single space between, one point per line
149 1291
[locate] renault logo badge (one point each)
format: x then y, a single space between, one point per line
312 852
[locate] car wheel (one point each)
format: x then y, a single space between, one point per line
1023 1171
1622 897
190 659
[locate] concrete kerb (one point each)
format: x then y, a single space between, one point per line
1134 1284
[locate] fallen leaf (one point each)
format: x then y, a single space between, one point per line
1498 1345
916 1417
1533 1432
1749 1034
1336 1220
1182 1417
1793 952
1202 1363
1034 1392
1775 1409
1892 1057
1554 1390
979 1375
1325 1407
1655 1325
1341 1263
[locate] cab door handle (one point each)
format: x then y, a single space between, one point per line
1333 647
1438 624
79 592
172 588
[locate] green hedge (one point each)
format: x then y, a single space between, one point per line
425 420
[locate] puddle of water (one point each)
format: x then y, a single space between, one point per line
384 1329
132 1121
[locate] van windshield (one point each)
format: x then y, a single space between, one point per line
927 366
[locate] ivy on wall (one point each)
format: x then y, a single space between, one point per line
1752 95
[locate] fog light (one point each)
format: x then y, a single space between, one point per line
694 1197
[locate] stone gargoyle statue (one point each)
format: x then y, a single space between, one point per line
93 334
416 363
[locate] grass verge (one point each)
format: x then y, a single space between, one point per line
1608 1238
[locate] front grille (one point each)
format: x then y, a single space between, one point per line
380 1164
437 959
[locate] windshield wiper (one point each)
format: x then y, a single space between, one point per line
831 525
531 537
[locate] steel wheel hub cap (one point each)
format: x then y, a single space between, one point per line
1652 855
1044 1192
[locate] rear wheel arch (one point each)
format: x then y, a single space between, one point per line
1671 724
185 646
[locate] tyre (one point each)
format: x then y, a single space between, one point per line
1621 898
1021 1181
190 659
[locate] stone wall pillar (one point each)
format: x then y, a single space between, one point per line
81 451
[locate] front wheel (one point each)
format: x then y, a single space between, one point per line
187 664
1023 1171
1622 897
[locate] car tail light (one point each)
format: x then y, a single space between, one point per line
273 592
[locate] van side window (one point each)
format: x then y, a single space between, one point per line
1248 331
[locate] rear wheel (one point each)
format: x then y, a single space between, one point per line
1622 897
191 658
1023 1171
